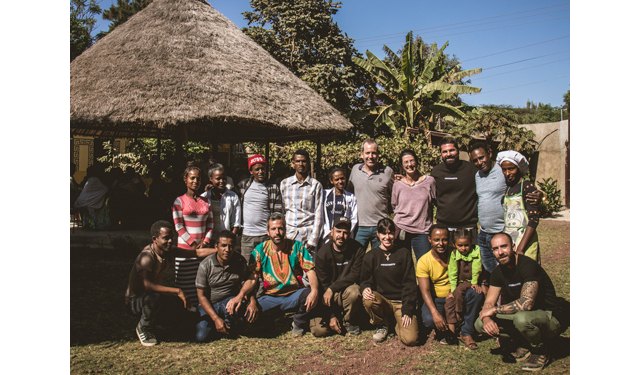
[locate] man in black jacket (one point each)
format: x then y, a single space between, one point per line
338 265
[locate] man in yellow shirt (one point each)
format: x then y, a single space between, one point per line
433 281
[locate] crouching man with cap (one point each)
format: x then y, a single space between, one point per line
530 314
338 264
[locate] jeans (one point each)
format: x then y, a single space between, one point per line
294 301
419 242
473 303
489 262
364 235
205 326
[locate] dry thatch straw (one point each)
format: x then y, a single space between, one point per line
180 64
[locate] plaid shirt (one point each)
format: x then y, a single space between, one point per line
303 209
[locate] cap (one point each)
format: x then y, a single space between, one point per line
343 223
255 159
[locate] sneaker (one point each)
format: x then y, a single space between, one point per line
381 334
352 329
521 354
535 362
146 338
296 331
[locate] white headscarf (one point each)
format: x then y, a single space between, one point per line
514 157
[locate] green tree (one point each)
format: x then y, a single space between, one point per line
121 11
82 22
302 35
565 99
495 125
418 88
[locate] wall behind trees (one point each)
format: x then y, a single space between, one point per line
552 154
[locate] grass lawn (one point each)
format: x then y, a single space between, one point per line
103 338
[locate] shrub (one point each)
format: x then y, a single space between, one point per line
551 203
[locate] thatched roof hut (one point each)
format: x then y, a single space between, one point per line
180 64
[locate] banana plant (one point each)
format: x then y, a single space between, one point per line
415 88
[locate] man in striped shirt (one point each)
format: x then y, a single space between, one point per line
302 202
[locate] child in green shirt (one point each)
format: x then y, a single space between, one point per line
464 270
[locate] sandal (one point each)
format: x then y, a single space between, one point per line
468 342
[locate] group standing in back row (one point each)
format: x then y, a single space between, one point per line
303 248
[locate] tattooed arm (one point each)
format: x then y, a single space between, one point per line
524 303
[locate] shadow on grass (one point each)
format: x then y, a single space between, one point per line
98 312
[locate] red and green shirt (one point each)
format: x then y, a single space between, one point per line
281 271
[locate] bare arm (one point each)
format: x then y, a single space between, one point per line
424 283
489 310
202 252
312 298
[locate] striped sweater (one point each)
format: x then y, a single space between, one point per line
193 221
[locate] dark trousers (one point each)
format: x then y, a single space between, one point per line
156 308
472 302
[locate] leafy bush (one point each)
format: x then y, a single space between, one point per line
346 153
552 202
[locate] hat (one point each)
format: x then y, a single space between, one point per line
255 159
342 222
514 157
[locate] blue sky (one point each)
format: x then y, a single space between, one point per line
522 46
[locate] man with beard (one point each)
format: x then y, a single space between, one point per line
456 197
338 264
435 289
258 199
490 187
302 199
224 289
280 262
372 183
530 313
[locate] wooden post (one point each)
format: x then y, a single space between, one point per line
318 158
266 155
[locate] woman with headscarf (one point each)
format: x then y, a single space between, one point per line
520 216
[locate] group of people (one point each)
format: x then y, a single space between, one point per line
366 249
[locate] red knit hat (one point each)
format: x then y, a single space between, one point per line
255 159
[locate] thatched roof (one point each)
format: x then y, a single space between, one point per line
182 64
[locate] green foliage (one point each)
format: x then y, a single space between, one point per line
346 153
121 11
142 154
532 113
417 88
565 99
552 202
494 125
82 22
302 35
